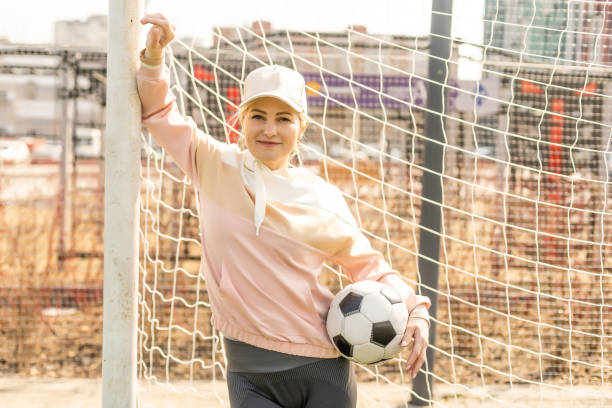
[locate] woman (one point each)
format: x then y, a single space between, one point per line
267 229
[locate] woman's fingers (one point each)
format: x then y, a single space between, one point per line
159 21
418 333
416 351
162 22
154 37
155 16
417 364
417 357
407 339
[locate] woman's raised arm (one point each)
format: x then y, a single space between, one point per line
176 133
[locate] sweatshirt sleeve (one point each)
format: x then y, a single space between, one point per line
176 133
361 262
352 251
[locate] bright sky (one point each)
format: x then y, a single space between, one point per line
31 21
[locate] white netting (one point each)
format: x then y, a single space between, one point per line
524 314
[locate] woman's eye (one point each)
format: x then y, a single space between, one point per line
257 117
285 119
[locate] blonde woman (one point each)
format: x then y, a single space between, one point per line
267 228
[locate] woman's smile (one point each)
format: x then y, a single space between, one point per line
268 143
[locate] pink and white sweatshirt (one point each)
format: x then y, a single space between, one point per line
265 234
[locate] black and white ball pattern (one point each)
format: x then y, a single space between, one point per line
366 322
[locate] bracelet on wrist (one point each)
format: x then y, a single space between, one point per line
145 58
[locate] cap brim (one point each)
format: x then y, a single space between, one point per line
272 95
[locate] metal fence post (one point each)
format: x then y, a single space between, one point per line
431 210
67 165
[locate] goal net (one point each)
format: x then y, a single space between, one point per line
524 315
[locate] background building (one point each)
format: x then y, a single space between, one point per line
589 34
91 33
545 30
531 28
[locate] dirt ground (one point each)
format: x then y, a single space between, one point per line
18 392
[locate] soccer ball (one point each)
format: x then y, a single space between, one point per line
366 322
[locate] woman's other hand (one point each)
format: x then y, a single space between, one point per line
158 37
417 335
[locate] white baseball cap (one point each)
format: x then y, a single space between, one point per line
278 82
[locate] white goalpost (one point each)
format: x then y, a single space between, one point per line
523 314
121 215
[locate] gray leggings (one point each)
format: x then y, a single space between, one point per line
329 383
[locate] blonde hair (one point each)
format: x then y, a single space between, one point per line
240 115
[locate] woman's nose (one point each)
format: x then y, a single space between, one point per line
270 129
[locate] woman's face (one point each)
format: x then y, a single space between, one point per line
272 130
